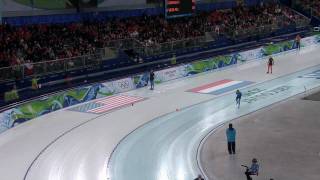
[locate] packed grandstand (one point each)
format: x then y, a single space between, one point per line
308 6
41 42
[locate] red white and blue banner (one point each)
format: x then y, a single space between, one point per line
108 104
220 87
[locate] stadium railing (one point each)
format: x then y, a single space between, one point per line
171 47
49 67
156 49
266 30
123 44
306 9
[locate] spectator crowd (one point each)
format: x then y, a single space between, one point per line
242 18
35 43
309 5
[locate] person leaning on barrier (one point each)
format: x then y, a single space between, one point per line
173 59
297 41
34 83
11 95
151 79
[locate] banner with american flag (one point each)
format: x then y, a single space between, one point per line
107 104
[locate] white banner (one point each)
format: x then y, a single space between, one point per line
251 54
121 85
168 74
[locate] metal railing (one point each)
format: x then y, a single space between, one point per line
156 49
265 30
123 44
48 67
251 32
302 22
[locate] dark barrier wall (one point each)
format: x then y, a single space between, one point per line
287 2
68 18
256 2
1 10
217 5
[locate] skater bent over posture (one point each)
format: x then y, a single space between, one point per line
231 137
253 170
270 64
238 98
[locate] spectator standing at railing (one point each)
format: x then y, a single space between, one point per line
173 59
28 68
298 39
151 78
34 83
12 95
217 30
17 71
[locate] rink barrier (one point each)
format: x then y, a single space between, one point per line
47 104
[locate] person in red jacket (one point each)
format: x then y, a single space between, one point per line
270 64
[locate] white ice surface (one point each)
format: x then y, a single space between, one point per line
67 145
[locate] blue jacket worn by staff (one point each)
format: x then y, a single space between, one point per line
254 169
231 134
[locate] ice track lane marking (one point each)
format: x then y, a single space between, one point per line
275 84
66 132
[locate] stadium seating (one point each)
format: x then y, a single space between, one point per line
309 6
24 45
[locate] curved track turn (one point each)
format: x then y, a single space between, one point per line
166 148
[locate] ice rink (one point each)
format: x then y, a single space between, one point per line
154 139
283 137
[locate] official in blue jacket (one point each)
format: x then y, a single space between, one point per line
231 137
